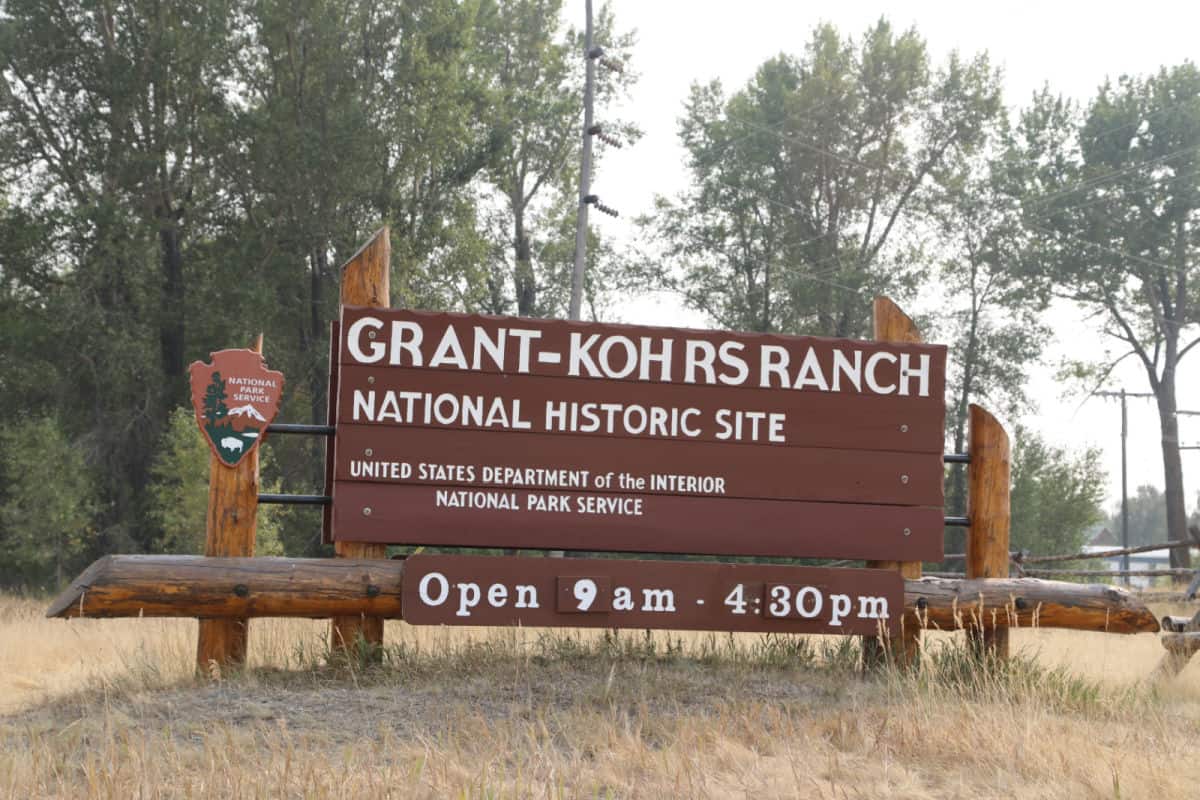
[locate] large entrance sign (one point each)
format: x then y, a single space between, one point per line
467 430
472 431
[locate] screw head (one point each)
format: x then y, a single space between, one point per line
904 429
370 379
370 334
369 452
367 511
907 531
904 479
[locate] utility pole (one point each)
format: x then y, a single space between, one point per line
585 172
1124 470
592 54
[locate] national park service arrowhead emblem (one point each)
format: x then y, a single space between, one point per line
235 397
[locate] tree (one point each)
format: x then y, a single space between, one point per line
802 181
1147 517
46 527
121 107
1056 495
110 119
990 317
178 492
1111 197
535 71
214 399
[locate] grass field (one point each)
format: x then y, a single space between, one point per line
111 709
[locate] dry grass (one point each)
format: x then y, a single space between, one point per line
111 709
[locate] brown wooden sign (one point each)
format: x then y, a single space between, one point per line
235 398
502 432
610 593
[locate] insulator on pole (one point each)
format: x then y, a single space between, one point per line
594 200
598 131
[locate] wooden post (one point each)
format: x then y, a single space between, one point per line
229 531
365 282
988 489
894 326
1181 638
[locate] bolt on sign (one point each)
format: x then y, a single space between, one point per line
610 593
483 431
235 398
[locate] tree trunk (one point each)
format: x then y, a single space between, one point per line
171 327
523 279
1172 468
957 496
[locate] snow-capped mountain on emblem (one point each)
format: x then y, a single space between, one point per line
247 410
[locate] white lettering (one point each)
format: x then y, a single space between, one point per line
354 341
872 365
423 589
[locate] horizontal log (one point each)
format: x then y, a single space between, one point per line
196 586
1115 573
951 604
199 586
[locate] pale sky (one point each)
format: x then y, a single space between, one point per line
1071 45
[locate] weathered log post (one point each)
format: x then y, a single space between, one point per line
229 530
988 510
894 326
1181 638
366 281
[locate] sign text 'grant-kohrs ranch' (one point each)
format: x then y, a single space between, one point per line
496 431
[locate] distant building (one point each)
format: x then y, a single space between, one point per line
1105 539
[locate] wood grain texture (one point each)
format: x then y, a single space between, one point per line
997 604
229 531
894 326
189 586
988 508
225 588
367 275
366 281
1181 638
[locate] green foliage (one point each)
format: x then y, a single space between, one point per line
1110 195
1147 517
47 531
803 181
991 317
1056 495
536 81
177 495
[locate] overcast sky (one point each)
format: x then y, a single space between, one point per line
1072 46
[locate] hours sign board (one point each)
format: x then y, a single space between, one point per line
612 593
484 431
